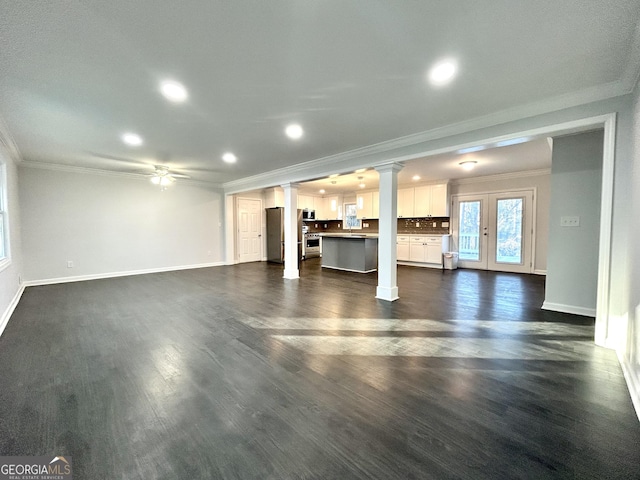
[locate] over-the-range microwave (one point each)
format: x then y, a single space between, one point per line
308 214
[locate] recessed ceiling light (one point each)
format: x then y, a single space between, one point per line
294 131
443 72
132 139
416 177
360 170
362 185
173 91
322 190
471 149
229 157
468 165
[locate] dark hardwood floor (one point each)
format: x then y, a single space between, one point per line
233 372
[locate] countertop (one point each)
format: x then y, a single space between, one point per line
349 235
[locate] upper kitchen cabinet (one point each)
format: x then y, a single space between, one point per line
274 197
331 208
306 202
430 201
406 198
364 205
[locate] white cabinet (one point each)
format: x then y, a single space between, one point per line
440 200
320 205
274 197
403 248
333 207
430 201
423 250
305 202
364 205
405 202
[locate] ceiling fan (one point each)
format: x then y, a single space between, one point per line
163 177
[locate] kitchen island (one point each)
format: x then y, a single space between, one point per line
353 253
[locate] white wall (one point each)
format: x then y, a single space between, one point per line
114 224
576 180
539 181
10 287
629 346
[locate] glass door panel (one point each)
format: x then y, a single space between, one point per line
509 231
469 230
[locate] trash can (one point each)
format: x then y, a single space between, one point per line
450 260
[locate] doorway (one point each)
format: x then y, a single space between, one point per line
249 230
494 231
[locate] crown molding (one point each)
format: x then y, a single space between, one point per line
364 157
56 167
501 176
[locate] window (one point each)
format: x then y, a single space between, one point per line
351 216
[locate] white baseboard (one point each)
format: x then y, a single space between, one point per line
4 320
559 307
421 265
633 382
82 278
539 272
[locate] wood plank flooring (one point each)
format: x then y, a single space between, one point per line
234 373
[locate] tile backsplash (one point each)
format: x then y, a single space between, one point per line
405 225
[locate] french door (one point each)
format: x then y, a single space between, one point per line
494 231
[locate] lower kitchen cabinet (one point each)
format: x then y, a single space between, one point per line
422 250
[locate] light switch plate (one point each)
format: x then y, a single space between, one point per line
570 221
445 224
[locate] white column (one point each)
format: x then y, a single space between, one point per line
291 231
388 232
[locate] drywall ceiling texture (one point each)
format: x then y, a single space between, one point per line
107 225
75 75
576 185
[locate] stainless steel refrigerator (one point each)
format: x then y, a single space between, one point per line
275 234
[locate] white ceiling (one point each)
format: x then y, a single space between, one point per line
534 154
75 75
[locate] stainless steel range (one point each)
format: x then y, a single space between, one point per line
312 245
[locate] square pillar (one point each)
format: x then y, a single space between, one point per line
388 232
291 240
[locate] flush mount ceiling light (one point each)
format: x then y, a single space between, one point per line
294 131
322 190
468 165
229 157
415 177
361 184
132 139
443 72
173 91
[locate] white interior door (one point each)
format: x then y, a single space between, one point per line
494 231
249 230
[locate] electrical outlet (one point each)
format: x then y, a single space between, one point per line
445 224
339 225
316 225
570 221
325 225
417 224
435 224
69 264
